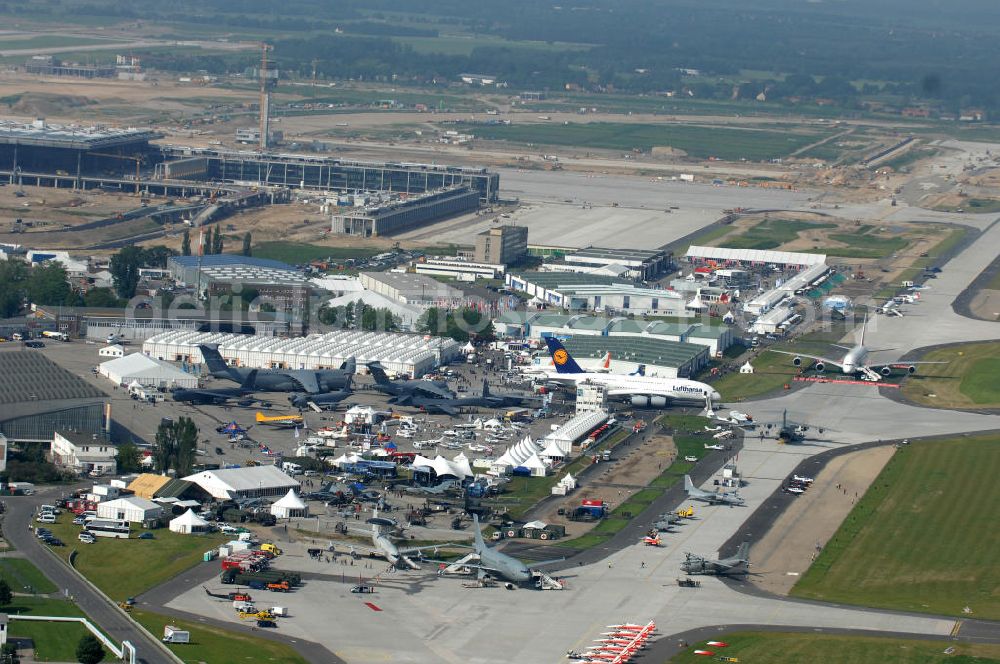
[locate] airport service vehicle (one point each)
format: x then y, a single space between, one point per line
173 634
55 336
363 589
642 391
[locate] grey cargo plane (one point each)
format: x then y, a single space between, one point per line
280 380
711 497
453 406
738 564
403 391
400 559
222 395
498 564
324 401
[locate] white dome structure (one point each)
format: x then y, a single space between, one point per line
290 506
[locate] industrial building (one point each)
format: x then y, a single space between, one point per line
39 398
583 292
414 289
538 325
412 354
133 324
640 264
725 257
668 359
75 151
276 283
462 270
502 245
794 285
46 65
772 320
334 174
403 214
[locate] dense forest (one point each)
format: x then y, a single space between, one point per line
841 49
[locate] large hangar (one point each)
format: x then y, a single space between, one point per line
38 398
412 354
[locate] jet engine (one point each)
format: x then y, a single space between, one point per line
911 369
640 401
885 371
797 361
820 366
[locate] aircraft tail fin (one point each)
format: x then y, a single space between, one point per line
743 553
561 358
486 388
639 371
688 484
480 542
216 365
378 373
350 365
864 324
250 382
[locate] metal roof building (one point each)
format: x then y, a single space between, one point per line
237 483
38 398
403 353
697 254
665 358
579 291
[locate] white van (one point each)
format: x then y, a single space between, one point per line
46 518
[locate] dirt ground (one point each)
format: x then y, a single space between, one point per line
630 471
785 552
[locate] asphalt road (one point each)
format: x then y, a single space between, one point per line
98 608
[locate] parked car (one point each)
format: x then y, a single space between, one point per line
86 538
362 589
54 541
35 344
46 518
146 536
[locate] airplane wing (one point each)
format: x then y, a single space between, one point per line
640 391
446 409
824 360
307 379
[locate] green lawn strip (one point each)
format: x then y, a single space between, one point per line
802 648
149 562
974 205
20 574
295 253
772 233
771 371
214 644
53 641
966 379
905 545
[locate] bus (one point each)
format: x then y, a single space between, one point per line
108 528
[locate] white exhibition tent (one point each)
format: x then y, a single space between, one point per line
131 508
114 350
148 372
290 506
345 459
443 467
189 523
535 465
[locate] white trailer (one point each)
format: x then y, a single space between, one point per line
173 634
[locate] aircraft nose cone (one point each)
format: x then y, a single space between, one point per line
716 396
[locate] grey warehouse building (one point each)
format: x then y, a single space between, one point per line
406 214
38 398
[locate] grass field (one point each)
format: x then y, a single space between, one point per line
921 537
968 380
20 574
974 205
54 642
464 44
771 371
295 253
213 644
697 141
772 233
864 244
17 42
800 648
149 562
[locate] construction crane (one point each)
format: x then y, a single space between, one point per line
138 162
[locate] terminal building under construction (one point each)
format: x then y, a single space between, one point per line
98 157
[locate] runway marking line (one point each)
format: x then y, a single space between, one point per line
956 628
372 606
